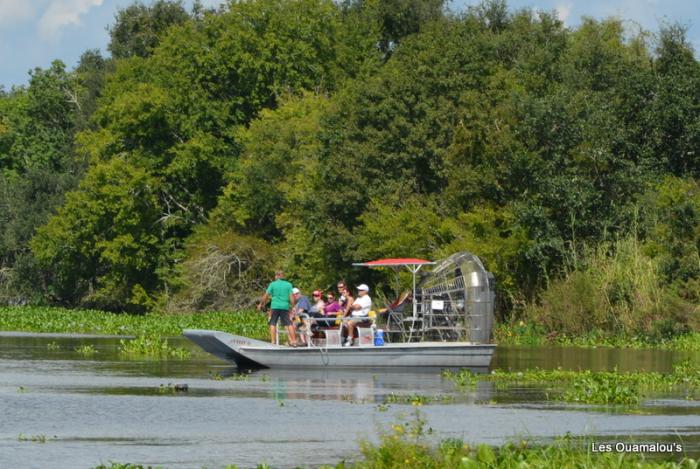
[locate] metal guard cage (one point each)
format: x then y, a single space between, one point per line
455 302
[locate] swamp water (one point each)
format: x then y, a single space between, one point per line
64 409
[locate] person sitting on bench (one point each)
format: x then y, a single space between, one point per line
359 312
332 311
301 308
316 310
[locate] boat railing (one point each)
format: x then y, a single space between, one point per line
333 334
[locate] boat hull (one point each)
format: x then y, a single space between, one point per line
250 353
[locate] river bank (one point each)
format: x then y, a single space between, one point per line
528 334
252 324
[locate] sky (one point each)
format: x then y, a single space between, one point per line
33 33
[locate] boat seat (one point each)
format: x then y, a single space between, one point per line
332 336
364 333
365 336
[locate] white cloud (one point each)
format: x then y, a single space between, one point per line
62 13
563 11
15 11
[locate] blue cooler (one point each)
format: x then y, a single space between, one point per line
379 338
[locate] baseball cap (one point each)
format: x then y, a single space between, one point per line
363 287
295 290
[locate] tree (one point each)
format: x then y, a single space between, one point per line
173 116
38 123
37 166
277 163
91 73
675 111
26 203
103 246
138 28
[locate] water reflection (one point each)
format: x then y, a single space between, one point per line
595 359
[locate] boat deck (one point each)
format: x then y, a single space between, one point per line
251 353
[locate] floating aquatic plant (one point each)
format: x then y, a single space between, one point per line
152 347
86 349
592 387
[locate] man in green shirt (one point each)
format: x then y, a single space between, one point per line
280 291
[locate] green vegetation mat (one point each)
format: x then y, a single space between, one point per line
599 387
152 325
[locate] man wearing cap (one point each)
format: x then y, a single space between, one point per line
359 311
302 305
280 291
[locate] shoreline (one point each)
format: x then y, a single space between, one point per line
87 323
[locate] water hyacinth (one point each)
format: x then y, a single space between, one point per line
152 347
45 319
593 387
86 350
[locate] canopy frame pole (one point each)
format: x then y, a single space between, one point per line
414 271
413 265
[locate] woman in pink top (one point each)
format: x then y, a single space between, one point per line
331 310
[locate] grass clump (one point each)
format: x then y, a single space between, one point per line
119 465
406 445
33 438
416 400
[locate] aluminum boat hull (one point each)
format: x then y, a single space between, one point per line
251 353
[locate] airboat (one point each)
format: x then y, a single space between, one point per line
448 325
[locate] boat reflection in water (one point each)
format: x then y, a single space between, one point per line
359 386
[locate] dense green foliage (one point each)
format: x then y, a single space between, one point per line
37 164
138 28
215 146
